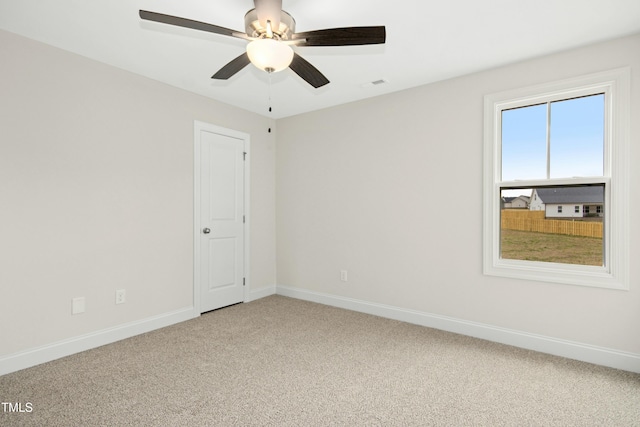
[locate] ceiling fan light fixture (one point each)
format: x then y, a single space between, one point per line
270 55
273 31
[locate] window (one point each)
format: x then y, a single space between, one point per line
556 144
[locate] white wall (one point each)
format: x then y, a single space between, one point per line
371 187
96 194
568 211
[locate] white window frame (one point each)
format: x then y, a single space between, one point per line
615 84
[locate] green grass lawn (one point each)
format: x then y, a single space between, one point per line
530 246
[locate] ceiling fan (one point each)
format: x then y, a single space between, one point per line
271 33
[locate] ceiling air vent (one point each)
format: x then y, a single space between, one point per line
375 83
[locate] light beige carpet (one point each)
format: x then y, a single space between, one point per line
284 362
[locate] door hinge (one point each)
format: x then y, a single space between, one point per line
244 219
243 281
244 155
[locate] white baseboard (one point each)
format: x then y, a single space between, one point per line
35 356
260 293
572 350
544 344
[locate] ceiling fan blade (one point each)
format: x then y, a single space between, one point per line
188 23
348 36
308 72
269 10
232 67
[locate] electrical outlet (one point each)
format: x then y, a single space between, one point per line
77 305
121 296
343 275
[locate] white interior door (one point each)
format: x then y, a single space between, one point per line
221 219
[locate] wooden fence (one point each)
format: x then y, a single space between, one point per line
524 220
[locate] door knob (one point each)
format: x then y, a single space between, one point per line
206 230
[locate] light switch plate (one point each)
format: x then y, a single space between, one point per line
77 305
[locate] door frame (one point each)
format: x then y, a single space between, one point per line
199 126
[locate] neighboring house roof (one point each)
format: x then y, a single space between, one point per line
525 199
511 199
589 194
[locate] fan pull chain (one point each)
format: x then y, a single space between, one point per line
269 92
269 96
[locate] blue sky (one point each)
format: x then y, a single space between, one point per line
576 136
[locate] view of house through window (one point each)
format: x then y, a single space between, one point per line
561 139
554 224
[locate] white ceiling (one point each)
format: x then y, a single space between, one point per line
427 41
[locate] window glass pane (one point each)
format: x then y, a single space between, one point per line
524 143
577 137
543 231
